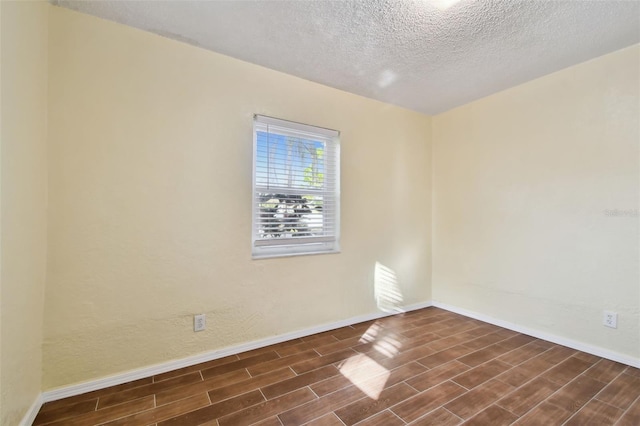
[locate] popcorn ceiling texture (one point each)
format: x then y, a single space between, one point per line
409 53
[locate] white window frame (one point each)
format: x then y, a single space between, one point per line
263 247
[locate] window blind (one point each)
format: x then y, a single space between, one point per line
296 188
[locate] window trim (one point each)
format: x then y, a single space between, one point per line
263 248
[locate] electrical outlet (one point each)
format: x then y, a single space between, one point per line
199 322
610 319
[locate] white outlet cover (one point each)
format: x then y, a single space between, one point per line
610 319
199 322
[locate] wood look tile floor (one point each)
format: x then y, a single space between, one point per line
426 367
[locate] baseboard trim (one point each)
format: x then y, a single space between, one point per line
30 415
92 385
80 388
573 344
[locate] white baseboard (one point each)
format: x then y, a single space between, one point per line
31 414
80 388
573 344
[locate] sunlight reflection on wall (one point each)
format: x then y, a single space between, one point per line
386 289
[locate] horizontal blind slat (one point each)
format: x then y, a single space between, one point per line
296 185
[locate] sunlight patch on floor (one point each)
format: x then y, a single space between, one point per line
369 376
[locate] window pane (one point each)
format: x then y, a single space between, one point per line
296 188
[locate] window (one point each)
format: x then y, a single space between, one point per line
296 188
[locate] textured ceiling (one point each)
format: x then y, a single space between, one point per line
418 54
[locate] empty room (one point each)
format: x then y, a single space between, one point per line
287 213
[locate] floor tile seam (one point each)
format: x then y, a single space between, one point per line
236 396
154 380
452 335
360 422
520 347
394 414
629 373
415 395
248 366
495 400
422 333
533 357
545 399
263 395
606 384
478 366
241 409
415 389
335 364
548 398
400 351
281 367
452 413
418 418
573 414
182 398
311 337
475 328
307 385
337 350
625 411
462 386
153 392
321 415
367 397
206 391
352 402
544 372
121 403
515 389
388 370
122 416
89 396
161 406
593 398
255 377
436 353
292 391
433 386
497 403
312 391
483 347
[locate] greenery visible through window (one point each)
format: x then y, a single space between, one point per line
296 188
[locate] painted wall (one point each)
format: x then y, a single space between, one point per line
150 201
527 184
23 195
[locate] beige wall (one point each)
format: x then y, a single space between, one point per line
149 172
150 200
523 181
23 193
